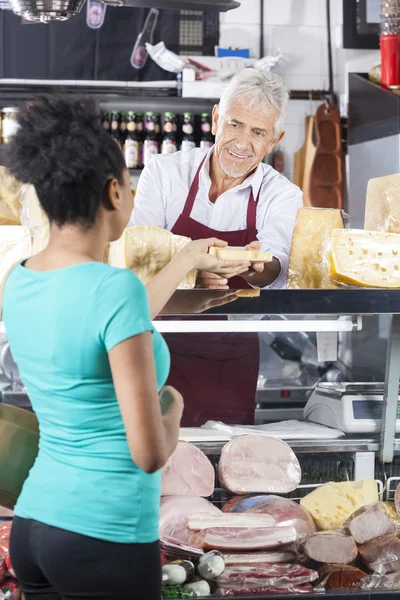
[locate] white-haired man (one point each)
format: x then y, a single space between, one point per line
228 193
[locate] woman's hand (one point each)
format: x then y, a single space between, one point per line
203 261
171 402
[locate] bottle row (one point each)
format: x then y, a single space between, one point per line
140 136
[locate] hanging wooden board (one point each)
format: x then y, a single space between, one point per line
327 180
299 160
311 150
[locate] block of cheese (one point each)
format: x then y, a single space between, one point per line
15 246
248 293
146 250
365 258
232 253
10 198
382 208
32 214
331 504
308 264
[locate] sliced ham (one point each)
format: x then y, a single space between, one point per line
326 546
200 521
271 590
223 538
265 575
258 464
261 558
370 522
284 511
174 513
188 472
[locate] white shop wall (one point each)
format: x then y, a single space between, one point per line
298 29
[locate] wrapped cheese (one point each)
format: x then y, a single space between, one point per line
15 246
308 268
382 208
365 258
146 250
10 198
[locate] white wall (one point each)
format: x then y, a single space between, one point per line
298 29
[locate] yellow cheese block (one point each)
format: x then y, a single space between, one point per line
382 207
332 504
15 246
10 198
365 258
147 250
247 293
241 254
308 262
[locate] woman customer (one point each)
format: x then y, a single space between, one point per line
86 522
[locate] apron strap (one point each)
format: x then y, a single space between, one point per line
194 188
252 211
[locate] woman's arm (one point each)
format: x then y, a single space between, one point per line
152 437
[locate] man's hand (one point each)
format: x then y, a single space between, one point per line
261 274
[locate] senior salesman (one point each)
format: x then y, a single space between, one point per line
229 193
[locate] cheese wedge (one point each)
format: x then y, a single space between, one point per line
10 198
15 246
308 262
332 504
146 250
248 293
241 254
382 208
365 258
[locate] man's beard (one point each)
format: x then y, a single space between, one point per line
235 170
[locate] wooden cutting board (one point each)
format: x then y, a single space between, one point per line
327 180
299 160
311 150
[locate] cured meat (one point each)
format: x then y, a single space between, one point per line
222 538
341 577
200 521
261 576
258 558
258 464
382 554
188 472
397 499
174 513
266 591
285 511
370 522
326 545
382 582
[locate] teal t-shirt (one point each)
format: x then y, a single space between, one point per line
61 325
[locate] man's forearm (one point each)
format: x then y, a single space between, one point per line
270 272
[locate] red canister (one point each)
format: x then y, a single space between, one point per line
390 59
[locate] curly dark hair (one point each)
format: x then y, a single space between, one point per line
61 148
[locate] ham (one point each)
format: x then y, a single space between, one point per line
174 513
284 511
261 558
326 546
188 472
223 538
382 554
271 590
370 522
258 464
200 521
260 576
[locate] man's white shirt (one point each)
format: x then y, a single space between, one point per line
165 183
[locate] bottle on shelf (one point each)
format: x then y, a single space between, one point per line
390 43
122 127
188 142
115 132
106 122
207 140
133 143
150 144
169 145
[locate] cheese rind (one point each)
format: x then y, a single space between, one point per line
333 503
146 250
365 258
240 254
308 263
382 207
15 246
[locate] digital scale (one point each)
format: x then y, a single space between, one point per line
351 407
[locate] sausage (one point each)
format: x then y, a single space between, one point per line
382 554
370 522
325 545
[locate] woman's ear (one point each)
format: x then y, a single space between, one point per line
112 195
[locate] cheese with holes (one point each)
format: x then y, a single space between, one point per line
10 198
365 258
308 264
241 254
332 504
382 208
146 250
15 246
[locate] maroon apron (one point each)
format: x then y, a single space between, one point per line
216 373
